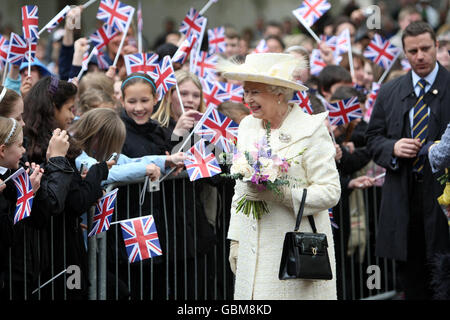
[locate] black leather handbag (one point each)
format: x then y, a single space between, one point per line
305 254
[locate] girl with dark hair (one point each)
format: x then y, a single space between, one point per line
49 107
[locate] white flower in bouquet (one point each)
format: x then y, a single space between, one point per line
269 169
242 167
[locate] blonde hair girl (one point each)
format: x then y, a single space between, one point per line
170 113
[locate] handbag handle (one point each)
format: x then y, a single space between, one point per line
300 215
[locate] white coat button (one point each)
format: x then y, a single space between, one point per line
254 227
253 250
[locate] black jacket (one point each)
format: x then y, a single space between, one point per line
389 123
28 239
68 242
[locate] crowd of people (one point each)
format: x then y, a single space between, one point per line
52 124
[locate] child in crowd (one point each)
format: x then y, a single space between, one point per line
178 117
23 251
94 98
11 105
49 109
100 132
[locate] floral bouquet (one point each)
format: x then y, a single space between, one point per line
444 198
265 170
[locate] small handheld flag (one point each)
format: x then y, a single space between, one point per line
115 13
381 51
311 10
185 49
141 238
219 130
164 76
141 62
205 65
344 111
302 99
17 49
104 210
52 24
216 40
30 22
4 47
24 194
201 163
213 94
192 23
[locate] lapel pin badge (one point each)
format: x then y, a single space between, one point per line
435 91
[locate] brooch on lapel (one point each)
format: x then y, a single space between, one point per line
285 138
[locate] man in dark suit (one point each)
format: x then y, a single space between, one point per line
410 111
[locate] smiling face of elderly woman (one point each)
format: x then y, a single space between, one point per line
266 102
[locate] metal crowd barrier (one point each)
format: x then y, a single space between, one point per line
177 275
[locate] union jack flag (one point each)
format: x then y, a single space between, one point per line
141 62
24 194
330 41
164 76
219 130
405 64
205 65
333 223
261 47
201 163
30 22
115 13
17 48
185 49
102 60
381 51
103 36
235 91
302 99
311 10
343 42
33 50
192 23
371 99
141 238
213 94
57 19
316 62
104 209
344 111
87 58
216 40
4 46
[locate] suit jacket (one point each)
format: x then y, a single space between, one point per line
389 123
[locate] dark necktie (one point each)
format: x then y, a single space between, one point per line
420 123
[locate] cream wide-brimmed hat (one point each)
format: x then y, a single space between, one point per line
270 68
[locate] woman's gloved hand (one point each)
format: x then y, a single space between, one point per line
253 194
234 248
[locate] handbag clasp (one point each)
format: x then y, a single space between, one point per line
314 250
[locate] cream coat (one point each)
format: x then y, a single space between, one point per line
261 242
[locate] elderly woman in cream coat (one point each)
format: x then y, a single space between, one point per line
256 245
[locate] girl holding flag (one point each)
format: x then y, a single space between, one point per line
25 235
49 109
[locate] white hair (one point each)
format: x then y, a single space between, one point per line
287 93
